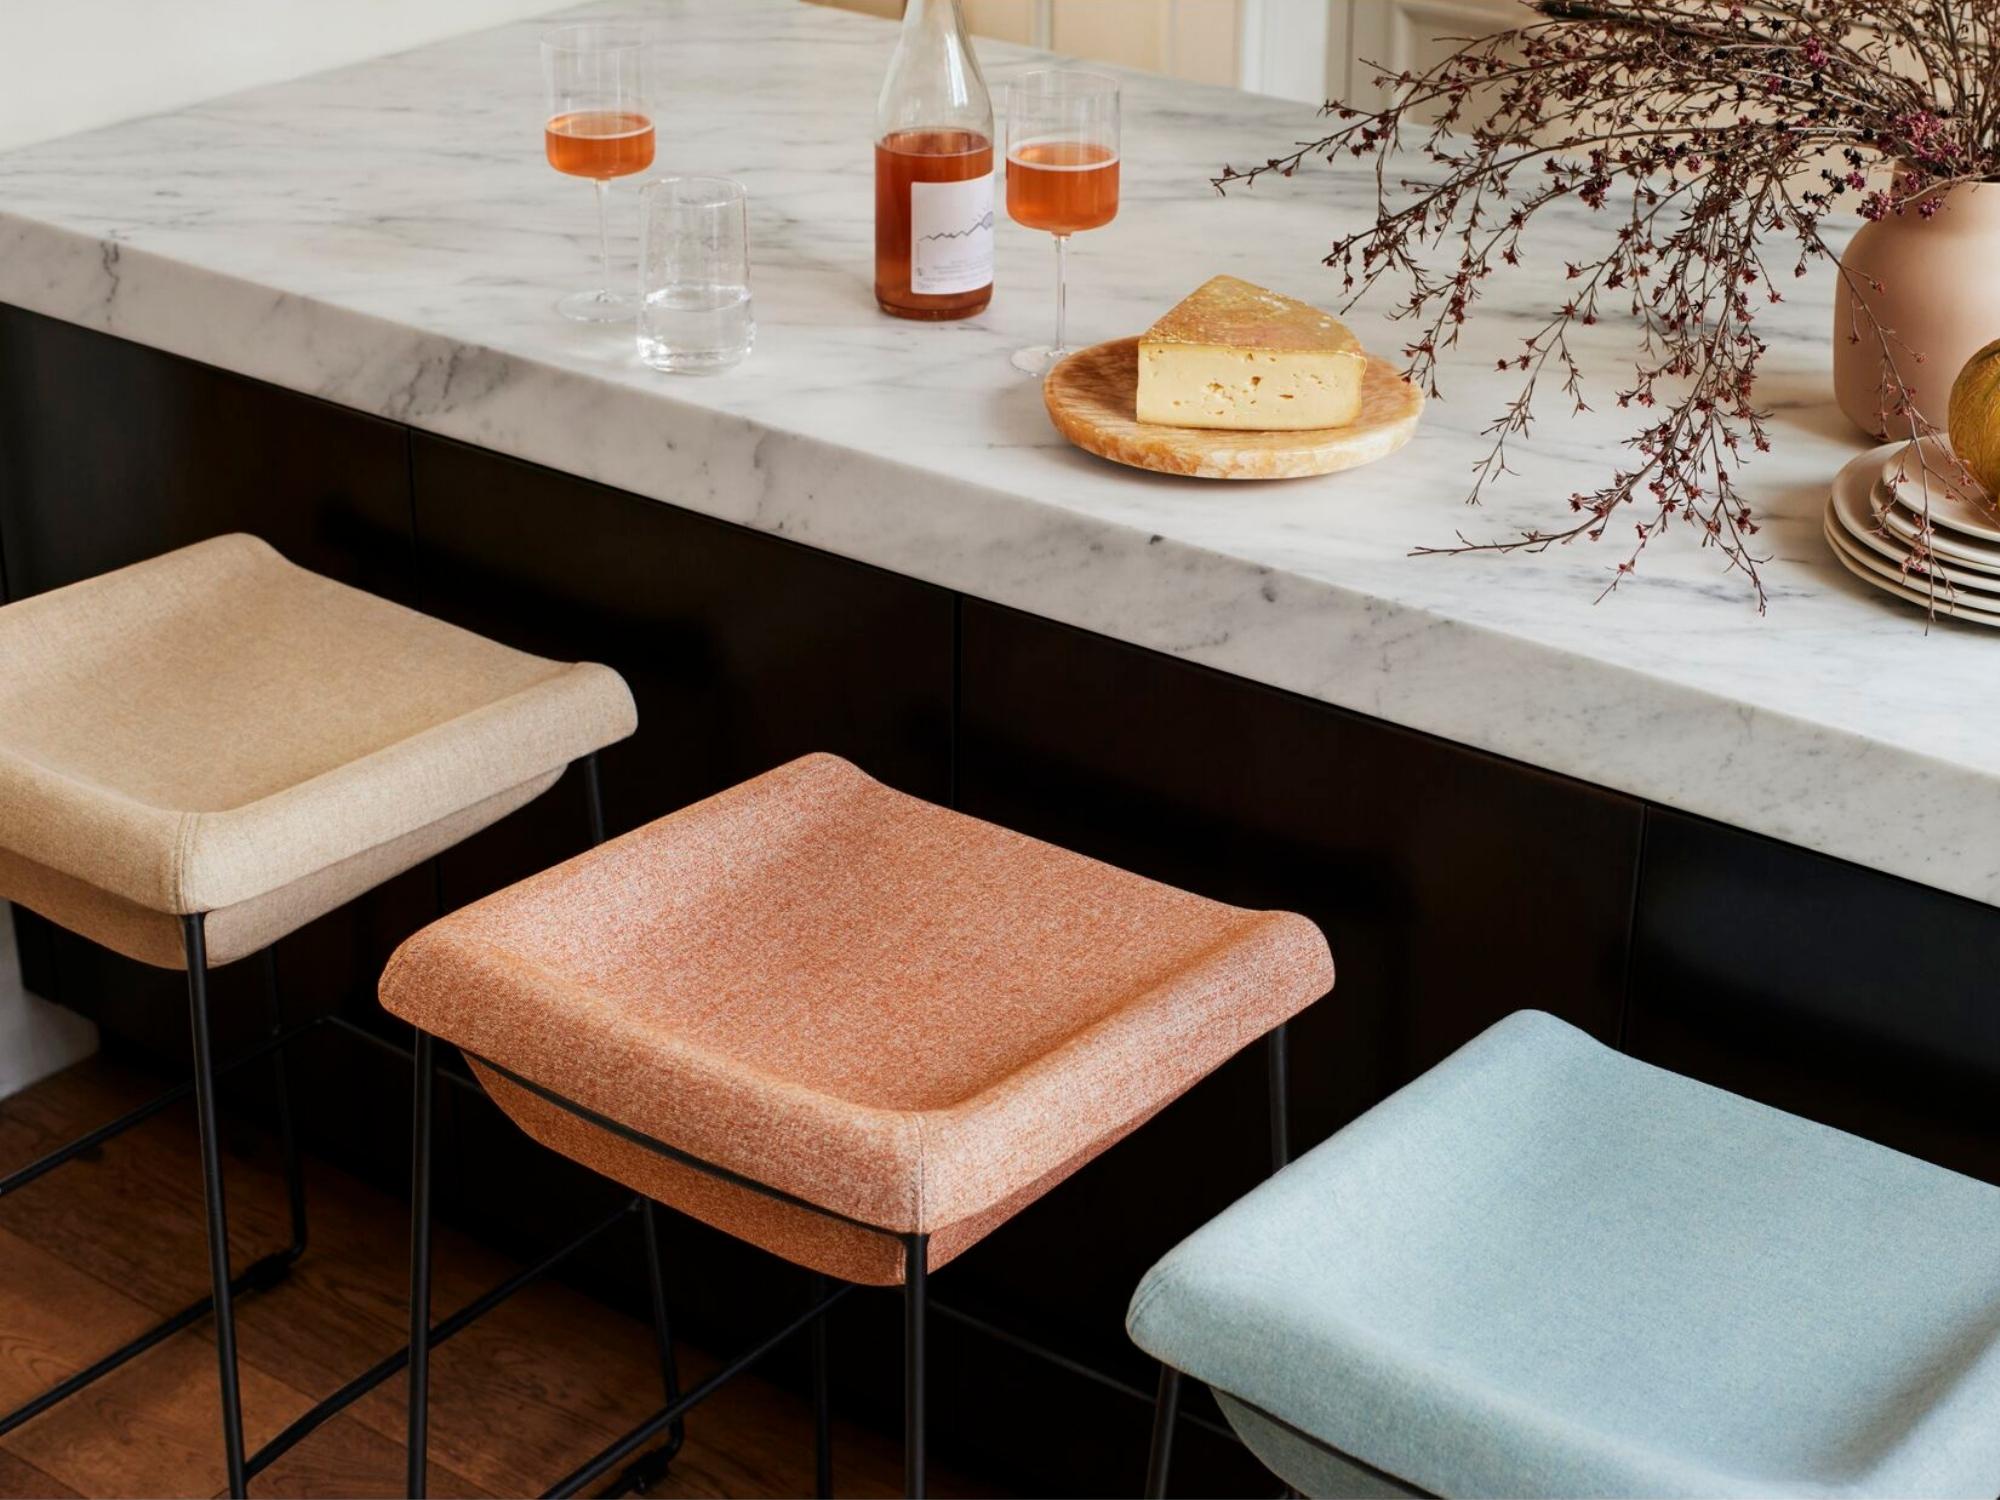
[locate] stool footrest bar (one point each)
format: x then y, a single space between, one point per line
22 1176
666 1416
260 1275
645 1471
1074 1366
391 1365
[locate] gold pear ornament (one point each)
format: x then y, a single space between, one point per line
1974 421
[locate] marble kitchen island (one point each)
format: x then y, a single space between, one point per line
1764 850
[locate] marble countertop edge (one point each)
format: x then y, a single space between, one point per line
392 249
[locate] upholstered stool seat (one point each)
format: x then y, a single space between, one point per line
1545 1268
217 731
201 753
895 1013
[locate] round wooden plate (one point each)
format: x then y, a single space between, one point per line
1093 393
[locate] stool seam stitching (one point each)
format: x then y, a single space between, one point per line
178 876
1151 1287
923 1169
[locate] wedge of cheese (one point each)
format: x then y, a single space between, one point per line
1236 356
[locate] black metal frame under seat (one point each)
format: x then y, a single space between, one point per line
916 1299
269 1270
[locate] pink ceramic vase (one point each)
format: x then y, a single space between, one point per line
1940 299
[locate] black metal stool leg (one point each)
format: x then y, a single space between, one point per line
1166 1408
663 1332
195 944
916 1275
1278 1074
822 1399
650 1468
420 1269
295 1178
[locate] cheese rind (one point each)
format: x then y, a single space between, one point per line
1238 357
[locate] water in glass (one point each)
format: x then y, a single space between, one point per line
696 326
694 274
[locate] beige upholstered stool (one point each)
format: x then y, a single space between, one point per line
203 752
216 731
846 1025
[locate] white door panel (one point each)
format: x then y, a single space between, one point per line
1399 34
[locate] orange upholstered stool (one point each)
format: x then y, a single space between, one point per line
846 1025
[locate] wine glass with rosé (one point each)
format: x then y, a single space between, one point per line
1062 171
597 126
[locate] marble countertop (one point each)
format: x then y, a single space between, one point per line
387 236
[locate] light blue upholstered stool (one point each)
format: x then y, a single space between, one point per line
1547 1269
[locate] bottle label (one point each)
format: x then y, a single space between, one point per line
951 235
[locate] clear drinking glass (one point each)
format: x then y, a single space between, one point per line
1062 170
694 274
597 126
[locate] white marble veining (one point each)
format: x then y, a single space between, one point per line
387 236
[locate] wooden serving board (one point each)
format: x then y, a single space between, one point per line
1093 394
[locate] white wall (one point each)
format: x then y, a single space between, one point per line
1399 34
69 65
1285 49
1307 50
36 1038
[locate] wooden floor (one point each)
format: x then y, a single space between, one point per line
102 1248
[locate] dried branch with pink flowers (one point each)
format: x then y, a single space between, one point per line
1717 139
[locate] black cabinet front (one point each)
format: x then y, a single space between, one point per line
1849 996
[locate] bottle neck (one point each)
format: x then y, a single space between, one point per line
934 17
934 80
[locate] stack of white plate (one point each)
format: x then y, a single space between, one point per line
1875 517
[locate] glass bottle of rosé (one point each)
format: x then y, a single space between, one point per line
934 171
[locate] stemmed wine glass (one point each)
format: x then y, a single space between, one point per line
597 126
1062 170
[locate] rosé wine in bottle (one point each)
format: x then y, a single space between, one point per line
934 171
